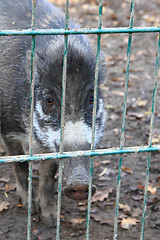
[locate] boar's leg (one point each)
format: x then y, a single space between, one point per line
21 172
46 199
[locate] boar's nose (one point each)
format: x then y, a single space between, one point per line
78 192
78 186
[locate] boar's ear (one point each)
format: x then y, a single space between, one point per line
28 64
102 69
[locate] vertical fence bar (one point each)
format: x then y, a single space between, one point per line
94 118
31 122
64 77
122 139
150 141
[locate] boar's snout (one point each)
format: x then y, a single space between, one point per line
77 185
78 192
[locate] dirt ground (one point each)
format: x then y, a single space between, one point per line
13 218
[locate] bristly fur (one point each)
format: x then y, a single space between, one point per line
15 58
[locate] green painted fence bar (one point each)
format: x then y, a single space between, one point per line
88 153
64 79
150 141
92 152
122 138
94 119
31 123
79 31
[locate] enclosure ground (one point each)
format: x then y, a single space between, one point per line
13 218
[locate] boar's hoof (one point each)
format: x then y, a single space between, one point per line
47 212
49 221
23 198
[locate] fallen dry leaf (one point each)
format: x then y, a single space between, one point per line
6 195
127 223
102 219
101 195
140 186
114 117
156 139
19 205
104 88
82 208
109 106
36 219
124 5
142 103
152 190
105 162
3 206
142 52
148 113
127 170
35 231
118 93
82 203
137 197
136 115
77 220
4 179
103 172
96 217
129 137
125 208
9 187
117 79
153 20
116 131
96 164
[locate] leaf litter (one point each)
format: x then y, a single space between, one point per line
4 205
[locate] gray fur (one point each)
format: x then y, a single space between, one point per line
15 96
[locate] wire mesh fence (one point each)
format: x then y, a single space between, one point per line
93 152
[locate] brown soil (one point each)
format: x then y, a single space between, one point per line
13 220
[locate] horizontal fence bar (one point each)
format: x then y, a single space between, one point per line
78 31
87 153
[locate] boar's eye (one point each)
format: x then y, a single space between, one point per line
49 105
49 101
91 101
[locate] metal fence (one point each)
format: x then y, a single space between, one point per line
61 155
